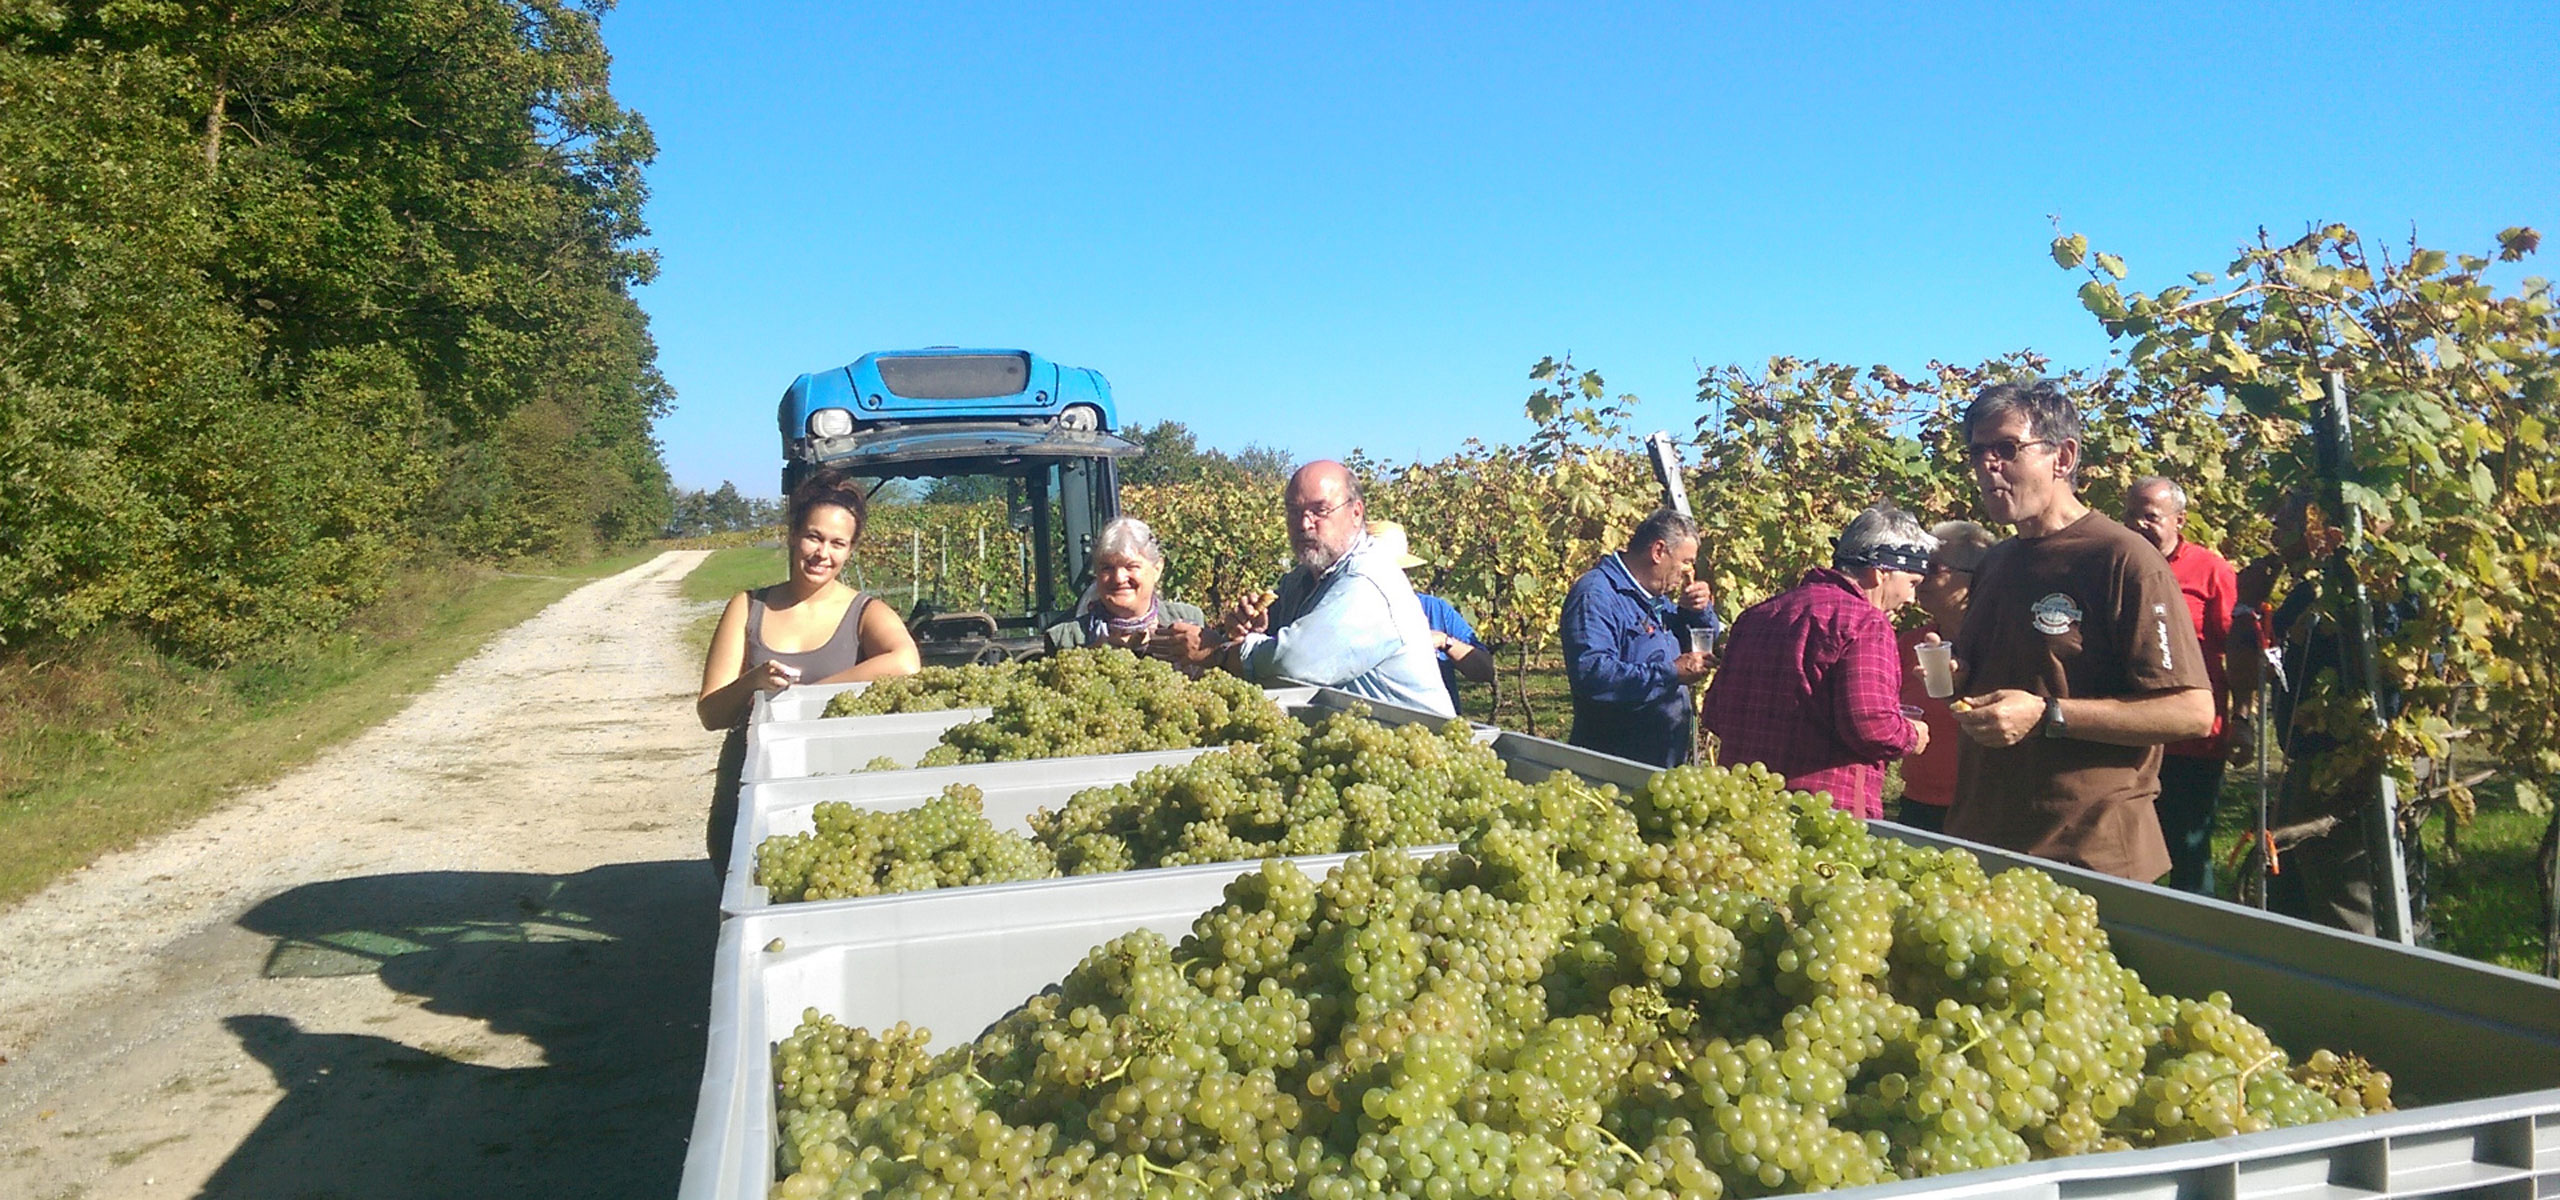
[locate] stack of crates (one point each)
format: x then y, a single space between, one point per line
2473 1050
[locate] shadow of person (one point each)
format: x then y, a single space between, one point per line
607 971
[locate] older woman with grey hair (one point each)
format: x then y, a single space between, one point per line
1811 682
1122 607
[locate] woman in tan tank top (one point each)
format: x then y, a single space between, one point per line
810 628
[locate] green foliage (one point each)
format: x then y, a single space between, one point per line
1174 455
722 510
2454 391
287 294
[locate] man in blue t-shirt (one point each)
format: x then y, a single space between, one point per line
1451 636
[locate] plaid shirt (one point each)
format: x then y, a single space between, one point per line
1811 688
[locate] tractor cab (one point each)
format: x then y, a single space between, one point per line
963 426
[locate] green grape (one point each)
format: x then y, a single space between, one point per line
1711 989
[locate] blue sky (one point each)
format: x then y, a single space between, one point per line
1322 227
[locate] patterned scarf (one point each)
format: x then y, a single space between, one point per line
1099 625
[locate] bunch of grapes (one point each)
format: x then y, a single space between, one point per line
1719 987
1108 701
1348 783
933 689
944 842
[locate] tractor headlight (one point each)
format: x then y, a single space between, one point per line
830 422
1080 418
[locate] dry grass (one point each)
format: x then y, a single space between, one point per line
106 742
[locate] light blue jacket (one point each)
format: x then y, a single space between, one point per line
1356 627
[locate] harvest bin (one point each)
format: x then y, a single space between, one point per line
2474 1050
1012 791
791 749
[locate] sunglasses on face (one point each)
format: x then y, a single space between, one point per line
2004 450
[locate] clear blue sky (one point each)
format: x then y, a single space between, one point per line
1323 227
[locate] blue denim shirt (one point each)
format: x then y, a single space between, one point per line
1357 627
1619 640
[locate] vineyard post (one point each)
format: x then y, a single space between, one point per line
2382 816
942 565
980 565
915 568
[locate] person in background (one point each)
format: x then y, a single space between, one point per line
1451 636
2190 772
1929 774
1122 607
2326 875
1345 616
810 628
2076 662
1810 686
1625 627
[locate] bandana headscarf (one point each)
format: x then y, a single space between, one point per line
1891 558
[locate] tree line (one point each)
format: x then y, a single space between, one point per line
294 290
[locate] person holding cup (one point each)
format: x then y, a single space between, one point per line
1928 672
1625 628
1812 680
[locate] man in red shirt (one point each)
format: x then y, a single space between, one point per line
1811 683
2190 772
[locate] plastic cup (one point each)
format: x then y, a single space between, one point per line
1937 668
1702 641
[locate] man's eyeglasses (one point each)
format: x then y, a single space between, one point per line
1320 512
2005 450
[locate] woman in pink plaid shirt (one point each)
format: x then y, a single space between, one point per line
1811 685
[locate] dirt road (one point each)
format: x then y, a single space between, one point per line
466 954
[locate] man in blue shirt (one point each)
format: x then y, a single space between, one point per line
1345 616
1452 638
1625 644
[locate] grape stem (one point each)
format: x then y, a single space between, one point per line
1618 1143
1146 1164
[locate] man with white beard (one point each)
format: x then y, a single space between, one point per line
1345 616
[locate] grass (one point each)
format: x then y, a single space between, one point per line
2482 891
107 742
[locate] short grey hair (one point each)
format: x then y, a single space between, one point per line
1128 537
1882 527
1665 526
2177 494
1961 544
2051 413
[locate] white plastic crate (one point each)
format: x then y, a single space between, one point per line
806 702
2474 1048
955 961
798 749
1012 792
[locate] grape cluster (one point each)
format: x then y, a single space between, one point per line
1347 783
933 689
1106 700
1714 987
944 842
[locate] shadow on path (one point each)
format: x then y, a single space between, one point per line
607 970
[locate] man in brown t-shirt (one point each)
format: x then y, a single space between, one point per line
2078 658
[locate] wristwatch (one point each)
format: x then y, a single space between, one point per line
2054 726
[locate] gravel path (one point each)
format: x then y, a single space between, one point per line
465 954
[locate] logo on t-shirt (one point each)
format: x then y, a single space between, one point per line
2055 615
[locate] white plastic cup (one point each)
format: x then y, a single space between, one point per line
1702 641
1937 668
